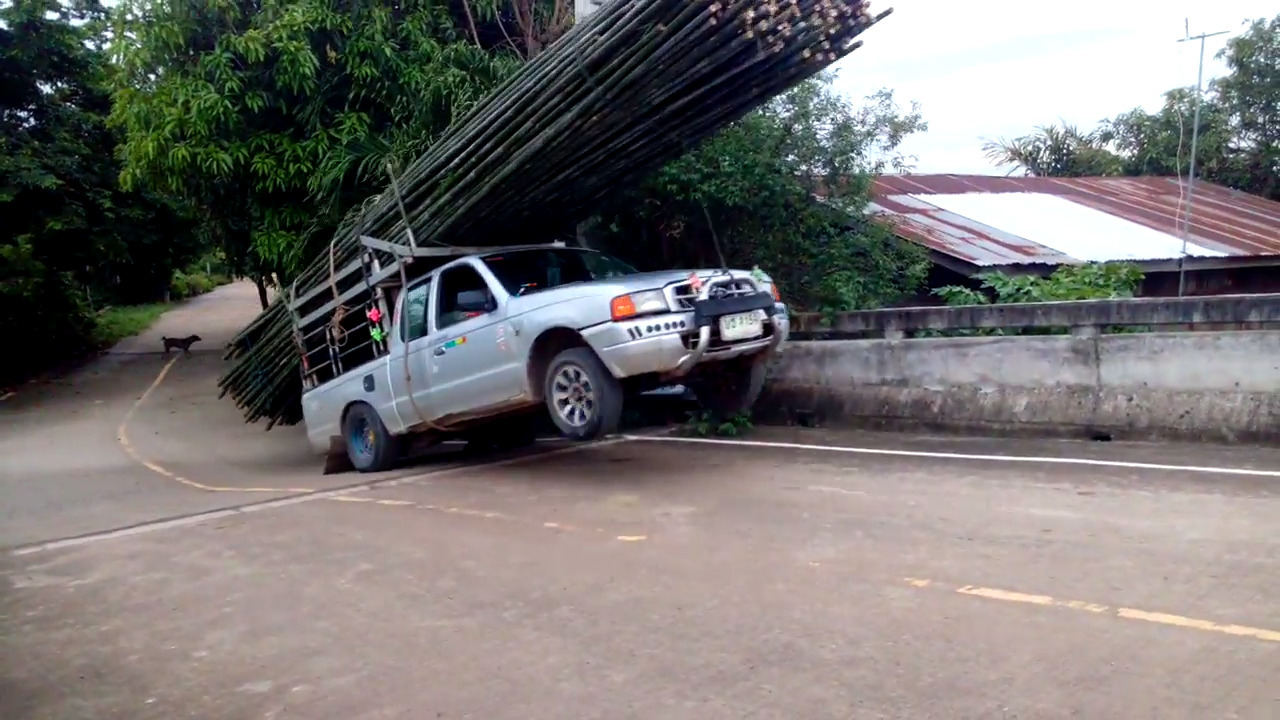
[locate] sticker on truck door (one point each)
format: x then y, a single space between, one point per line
456 342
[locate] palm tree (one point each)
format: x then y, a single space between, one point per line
1056 151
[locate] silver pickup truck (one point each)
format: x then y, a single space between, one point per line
481 344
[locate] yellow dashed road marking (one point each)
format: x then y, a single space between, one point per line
122 437
1118 612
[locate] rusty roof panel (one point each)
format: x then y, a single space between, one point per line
1226 221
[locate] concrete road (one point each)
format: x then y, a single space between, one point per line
138 437
804 574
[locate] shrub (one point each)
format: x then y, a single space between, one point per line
189 284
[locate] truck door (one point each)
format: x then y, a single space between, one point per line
411 351
474 367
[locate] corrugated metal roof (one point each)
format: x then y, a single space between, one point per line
1224 222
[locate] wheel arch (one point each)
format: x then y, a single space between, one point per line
346 410
545 347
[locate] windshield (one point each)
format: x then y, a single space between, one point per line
527 271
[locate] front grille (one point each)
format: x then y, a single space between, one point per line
683 294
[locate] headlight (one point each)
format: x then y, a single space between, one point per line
638 303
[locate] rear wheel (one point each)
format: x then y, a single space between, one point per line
583 397
370 447
730 387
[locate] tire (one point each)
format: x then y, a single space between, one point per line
583 398
731 387
369 446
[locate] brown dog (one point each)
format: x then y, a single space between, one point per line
183 344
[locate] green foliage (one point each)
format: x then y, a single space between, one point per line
707 424
275 118
752 188
1092 281
1057 151
185 285
70 236
1238 143
1249 98
114 324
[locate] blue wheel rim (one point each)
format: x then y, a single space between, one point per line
361 439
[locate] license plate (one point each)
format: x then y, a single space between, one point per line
741 326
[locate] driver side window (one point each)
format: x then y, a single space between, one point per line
464 294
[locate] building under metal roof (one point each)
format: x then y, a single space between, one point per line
991 222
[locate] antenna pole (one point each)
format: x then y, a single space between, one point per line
1195 139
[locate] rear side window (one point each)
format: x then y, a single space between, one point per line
413 323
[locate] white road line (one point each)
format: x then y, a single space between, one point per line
149 527
965 456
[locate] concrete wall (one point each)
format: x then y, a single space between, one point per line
1217 386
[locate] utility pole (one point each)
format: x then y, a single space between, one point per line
1195 139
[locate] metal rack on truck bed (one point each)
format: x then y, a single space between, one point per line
345 323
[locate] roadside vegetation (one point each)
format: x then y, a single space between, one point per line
1091 281
113 324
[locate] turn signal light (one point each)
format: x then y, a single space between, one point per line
622 307
773 288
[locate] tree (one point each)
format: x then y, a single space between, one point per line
1159 143
1239 133
1056 151
275 118
1250 100
751 192
69 232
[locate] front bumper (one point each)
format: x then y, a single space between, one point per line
672 344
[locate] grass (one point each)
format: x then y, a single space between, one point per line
118 323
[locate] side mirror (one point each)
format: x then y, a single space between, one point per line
475 301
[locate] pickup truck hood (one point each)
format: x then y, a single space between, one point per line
611 287
650 280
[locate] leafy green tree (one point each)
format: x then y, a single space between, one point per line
69 234
1250 100
1159 143
752 192
1239 136
274 118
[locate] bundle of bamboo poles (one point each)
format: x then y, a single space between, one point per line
632 87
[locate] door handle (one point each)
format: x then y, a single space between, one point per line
438 351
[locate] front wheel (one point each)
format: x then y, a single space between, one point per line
730 387
370 447
583 397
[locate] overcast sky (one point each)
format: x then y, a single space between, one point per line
998 68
